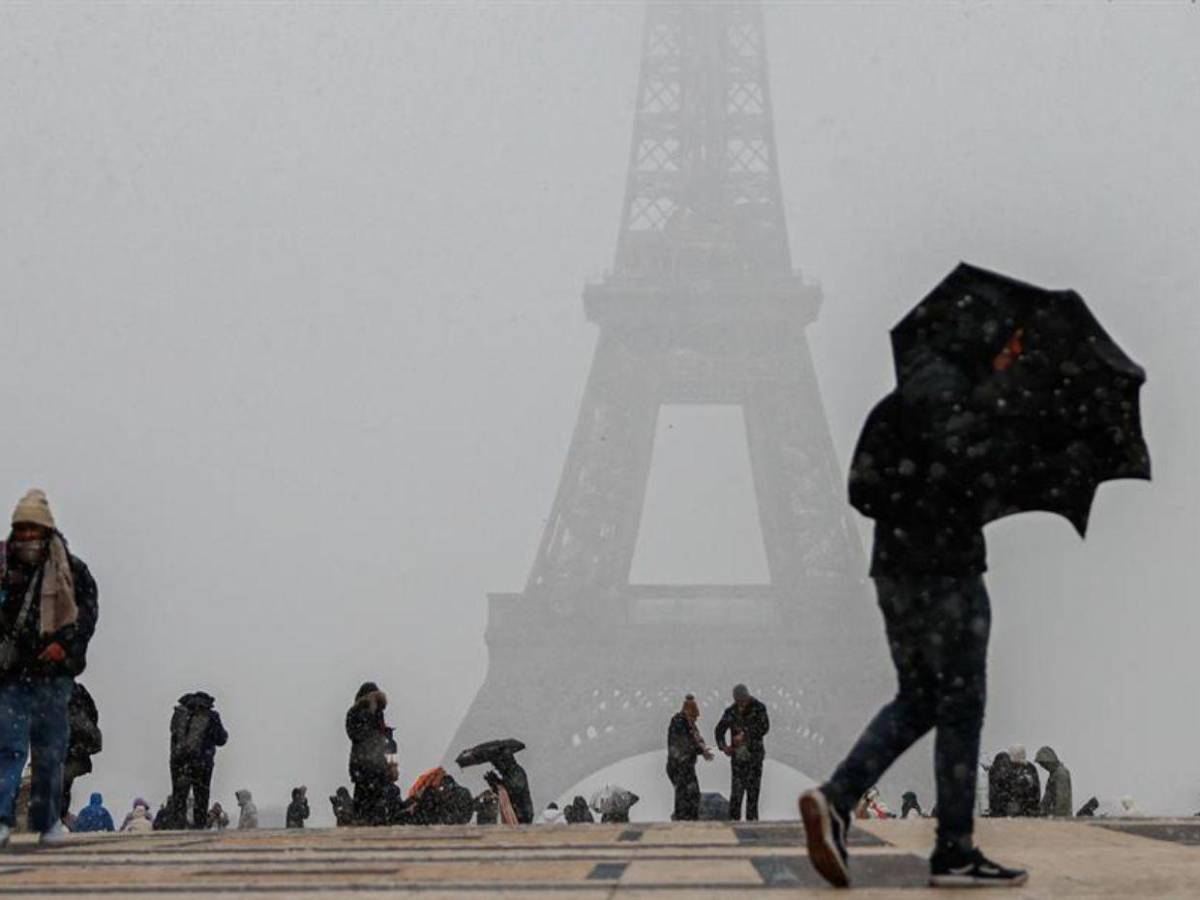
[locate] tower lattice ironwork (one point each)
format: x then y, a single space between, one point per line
702 306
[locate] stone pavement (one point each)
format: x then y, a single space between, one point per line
1130 858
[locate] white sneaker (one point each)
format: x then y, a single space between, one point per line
55 834
5 834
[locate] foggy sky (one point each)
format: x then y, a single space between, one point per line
294 339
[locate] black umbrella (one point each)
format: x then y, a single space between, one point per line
1009 398
488 752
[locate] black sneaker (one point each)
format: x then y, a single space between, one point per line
972 869
825 828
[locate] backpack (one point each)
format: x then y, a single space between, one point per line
189 732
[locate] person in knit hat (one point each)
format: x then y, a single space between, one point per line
48 611
684 747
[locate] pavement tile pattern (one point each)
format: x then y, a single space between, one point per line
709 860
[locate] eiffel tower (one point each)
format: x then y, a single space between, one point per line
702 307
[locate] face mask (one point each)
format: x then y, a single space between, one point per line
28 553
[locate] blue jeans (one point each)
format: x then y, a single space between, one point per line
33 717
937 629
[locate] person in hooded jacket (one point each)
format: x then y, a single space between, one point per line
48 612
297 810
510 774
196 733
84 741
1027 784
1057 799
248 815
371 742
94 817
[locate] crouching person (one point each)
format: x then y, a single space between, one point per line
48 611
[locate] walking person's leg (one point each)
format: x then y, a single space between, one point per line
737 787
753 779
49 730
896 727
676 779
14 745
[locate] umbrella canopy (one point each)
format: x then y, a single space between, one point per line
488 752
1009 398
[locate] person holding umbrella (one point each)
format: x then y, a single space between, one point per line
1009 398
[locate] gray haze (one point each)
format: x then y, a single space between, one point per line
295 345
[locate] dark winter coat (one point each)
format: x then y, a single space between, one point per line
370 738
752 722
516 782
94 817
85 739
1027 789
682 747
912 479
297 810
189 708
1000 787
74 638
343 807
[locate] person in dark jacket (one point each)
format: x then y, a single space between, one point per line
371 742
1026 784
747 723
48 612
510 774
297 810
196 733
1001 802
910 804
84 742
684 747
94 817
913 473
343 807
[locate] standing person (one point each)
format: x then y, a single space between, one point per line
927 562
371 742
747 722
343 807
297 810
1057 799
1001 777
48 612
684 747
910 804
1026 784
94 817
196 733
248 812
84 741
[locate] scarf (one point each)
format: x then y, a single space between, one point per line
58 609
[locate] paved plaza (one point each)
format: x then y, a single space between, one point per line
1144 858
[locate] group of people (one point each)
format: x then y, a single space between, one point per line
739 735
1014 786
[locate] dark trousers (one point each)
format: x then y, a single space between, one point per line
937 629
745 778
687 791
194 777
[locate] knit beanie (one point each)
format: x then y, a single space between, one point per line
34 509
691 708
